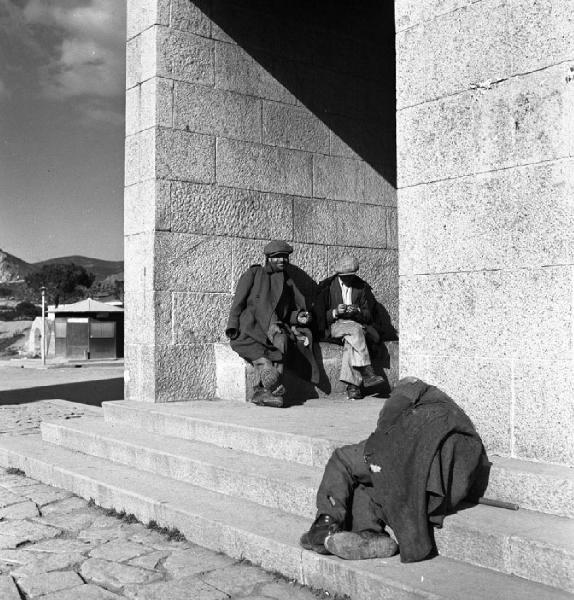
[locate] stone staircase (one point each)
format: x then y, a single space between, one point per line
241 479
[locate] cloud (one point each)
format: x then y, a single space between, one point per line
89 60
4 92
94 113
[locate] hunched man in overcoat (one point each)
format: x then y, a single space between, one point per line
267 316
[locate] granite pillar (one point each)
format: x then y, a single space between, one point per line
248 121
485 138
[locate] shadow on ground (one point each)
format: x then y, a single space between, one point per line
92 393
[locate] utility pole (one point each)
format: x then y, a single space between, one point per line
43 326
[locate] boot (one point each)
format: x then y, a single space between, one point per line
354 392
314 539
263 397
351 545
370 378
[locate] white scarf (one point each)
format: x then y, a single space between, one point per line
347 292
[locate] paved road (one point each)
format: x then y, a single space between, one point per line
56 546
88 384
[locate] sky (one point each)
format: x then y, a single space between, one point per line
62 81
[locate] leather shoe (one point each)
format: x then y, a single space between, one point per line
263 397
370 378
351 545
354 392
314 539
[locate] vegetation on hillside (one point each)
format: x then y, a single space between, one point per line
63 282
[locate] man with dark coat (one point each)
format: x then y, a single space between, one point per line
346 311
417 466
267 316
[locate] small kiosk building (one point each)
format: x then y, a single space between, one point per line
88 330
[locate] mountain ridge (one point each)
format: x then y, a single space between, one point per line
13 269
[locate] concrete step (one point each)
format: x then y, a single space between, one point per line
482 535
308 434
267 481
265 536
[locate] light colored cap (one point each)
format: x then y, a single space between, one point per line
347 265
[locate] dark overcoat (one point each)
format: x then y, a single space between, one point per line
426 454
330 296
258 292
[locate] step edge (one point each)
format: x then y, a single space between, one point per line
19 459
503 462
462 519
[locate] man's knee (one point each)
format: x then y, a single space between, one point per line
262 362
352 459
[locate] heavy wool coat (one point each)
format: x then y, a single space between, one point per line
425 454
330 296
258 292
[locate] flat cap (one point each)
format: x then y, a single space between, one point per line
277 247
346 265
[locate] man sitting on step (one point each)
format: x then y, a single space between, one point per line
417 466
346 310
268 316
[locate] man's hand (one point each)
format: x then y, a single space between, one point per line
353 309
304 317
341 310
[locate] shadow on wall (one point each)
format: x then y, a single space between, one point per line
86 392
337 58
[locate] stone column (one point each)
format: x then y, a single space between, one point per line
485 96
248 121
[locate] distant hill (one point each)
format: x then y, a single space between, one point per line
99 267
14 269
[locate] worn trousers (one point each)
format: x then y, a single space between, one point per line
346 491
355 351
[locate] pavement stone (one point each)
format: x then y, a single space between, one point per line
180 589
67 505
8 498
44 583
156 540
149 561
43 562
237 579
21 510
115 576
74 521
16 557
284 590
62 546
84 592
43 494
8 589
103 534
195 560
119 550
15 532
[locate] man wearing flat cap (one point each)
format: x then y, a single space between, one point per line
346 310
267 316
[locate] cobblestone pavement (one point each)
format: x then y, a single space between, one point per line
25 419
56 546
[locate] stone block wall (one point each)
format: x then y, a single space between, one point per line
485 140
248 121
